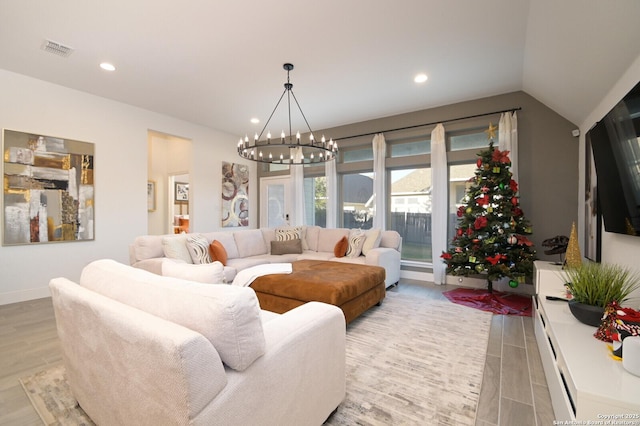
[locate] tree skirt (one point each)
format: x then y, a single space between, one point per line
496 302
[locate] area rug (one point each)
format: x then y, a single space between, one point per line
495 302
409 361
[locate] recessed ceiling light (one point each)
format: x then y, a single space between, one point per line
255 120
107 66
420 78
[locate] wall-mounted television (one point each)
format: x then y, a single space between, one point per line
615 141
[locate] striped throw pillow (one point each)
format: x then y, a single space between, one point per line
356 241
198 247
287 233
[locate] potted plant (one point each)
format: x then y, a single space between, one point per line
594 285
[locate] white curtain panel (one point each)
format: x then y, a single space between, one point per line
439 201
508 139
332 193
379 186
297 176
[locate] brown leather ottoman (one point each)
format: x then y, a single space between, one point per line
351 287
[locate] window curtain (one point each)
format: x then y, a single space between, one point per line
439 200
379 181
508 139
332 193
297 176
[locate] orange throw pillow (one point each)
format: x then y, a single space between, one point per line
341 247
217 252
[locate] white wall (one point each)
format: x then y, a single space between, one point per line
616 248
120 134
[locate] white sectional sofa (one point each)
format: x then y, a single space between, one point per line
251 247
143 349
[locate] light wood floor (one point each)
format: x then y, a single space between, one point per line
514 389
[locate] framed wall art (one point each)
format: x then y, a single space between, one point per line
151 195
48 189
181 192
235 194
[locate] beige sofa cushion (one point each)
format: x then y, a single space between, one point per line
208 273
390 239
148 247
250 243
328 238
372 240
175 247
229 317
227 241
312 234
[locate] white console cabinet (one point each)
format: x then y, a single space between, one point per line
585 383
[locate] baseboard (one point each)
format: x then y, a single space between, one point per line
24 295
415 275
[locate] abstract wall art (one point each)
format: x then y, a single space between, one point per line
48 191
235 194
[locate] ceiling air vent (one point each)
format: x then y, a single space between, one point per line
57 48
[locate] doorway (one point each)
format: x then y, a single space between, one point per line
169 163
275 204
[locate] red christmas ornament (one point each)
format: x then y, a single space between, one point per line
483 201
500 156
480 222
479 162
514 201
524 241
514 185
459 231
445 256
469 231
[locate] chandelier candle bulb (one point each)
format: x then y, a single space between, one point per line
268 138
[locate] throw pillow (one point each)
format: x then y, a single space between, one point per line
208 273
198 247
175 247
217 252
286 247
341 247
286 233
356 241
372 240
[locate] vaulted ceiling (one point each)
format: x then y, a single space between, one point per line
219 63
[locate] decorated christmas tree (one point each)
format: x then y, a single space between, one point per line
490 238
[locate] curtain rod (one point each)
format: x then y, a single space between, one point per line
430 124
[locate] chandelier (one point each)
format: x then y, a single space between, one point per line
287 150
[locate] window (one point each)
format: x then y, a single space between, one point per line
408 149
357 200
315 191
355 155
459 175
411 212
470 141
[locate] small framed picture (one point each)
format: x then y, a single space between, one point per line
182 192
151 195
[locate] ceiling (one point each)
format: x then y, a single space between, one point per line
219 63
